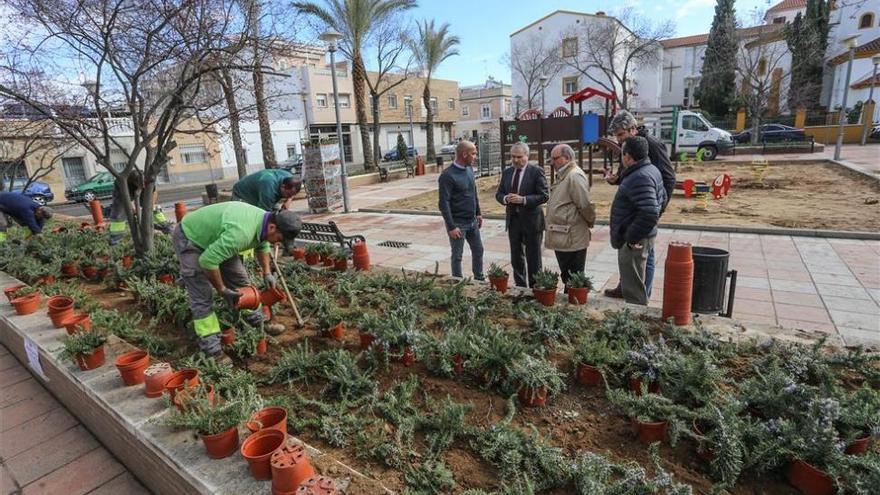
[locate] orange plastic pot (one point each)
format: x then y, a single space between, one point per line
361 261
69 270
858 446
250 297
228 336
89 272
91 361
132 365
651 432
313 258
221 445
78 323
547 297
166 278
267 312
532 397
97 211
258 448
127 260
366 339
340 265
10 291
499 283
809 480
272 295
320 485
328 261
457 364
155 377
59 304
298 253
262 347
409 357
335 333
273 418
678 282
588 375
185 378
679 252
290 467
179 210
27 304
359 247
578 295
635 385
103 273
48 279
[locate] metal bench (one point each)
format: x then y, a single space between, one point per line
384 171
328 233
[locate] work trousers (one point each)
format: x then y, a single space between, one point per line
631 264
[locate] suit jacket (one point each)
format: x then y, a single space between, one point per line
533 186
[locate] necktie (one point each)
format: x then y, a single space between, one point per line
515 186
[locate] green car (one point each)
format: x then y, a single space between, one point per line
99 186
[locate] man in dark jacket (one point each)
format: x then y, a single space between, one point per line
523 189
24 211
634 216
624 125
460 206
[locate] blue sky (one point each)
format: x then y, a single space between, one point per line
484 26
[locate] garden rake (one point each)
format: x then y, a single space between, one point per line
299 320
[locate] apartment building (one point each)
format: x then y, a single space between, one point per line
481 107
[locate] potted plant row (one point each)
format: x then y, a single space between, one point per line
498 277
579 287
546 282
86 349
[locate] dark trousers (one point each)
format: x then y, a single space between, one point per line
570 261
525 252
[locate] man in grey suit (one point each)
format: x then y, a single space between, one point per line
523 189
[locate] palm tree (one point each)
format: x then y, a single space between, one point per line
355 20
430 50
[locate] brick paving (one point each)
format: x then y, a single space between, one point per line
45 450
860 157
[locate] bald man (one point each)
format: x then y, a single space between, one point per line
460 206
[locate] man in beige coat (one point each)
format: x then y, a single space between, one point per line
570 214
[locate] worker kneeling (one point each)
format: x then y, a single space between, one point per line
208 242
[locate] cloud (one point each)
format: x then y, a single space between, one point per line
690 6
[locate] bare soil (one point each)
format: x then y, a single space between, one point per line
801 196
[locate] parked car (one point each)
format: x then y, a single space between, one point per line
875 132
293 165
392 155
37 190
448 149
772 133
99 186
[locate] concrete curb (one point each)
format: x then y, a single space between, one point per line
857 169
827 234
125 421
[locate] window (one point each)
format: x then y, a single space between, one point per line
291 151
407 105
866 21
693 123
569 47
485 111
118 160
569 85
506 109
450 103
434 107
74 172
465 111
321 100
392 101
779 20
193 153
344 101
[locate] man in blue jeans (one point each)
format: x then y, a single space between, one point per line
460 206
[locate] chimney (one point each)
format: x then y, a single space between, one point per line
600 13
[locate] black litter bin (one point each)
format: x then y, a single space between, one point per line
439 163
211 190
710 280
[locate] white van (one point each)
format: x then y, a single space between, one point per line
687 132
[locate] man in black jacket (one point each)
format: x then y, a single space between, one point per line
459 204
523 189
635 212
624 125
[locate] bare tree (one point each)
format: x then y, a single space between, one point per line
610 49
24 141
145 63
761 73
530 60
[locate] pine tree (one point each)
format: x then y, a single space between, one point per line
717 88
807 39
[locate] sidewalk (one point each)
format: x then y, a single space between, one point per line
864 158
45 450
828 285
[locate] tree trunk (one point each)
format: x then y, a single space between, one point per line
269 160
377 153
429 122
359 76
234 126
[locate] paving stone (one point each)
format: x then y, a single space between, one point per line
11 376
52 454
26 410
7 361
753 282
8 485
35 431
858 336
123 484
764 308
751 318
792 286
836 279
856 320
842 291
19 391
807 325
752 293
78 477
802 313
797 298
853 305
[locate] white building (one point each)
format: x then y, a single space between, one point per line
853 19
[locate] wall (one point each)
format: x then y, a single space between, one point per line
827 134
284 133
209 170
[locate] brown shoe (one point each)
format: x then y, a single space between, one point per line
222 358
616 292
275 329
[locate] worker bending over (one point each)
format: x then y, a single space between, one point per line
264 189
24 211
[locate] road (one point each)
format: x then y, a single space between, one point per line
190 194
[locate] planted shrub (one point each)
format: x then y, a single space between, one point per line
546 279
579 280
496 271
535 373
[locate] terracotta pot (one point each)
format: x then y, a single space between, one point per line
267 312
335 333
78 323
179 212
91 361
103 273
89 272
635 385
578 295
131 366
409 357
46 280
185 378
271 296
679 252
258 448
366 339
359 247
10 291
588 375
262 347
155 377
858 446
320 485
809 480
678 282
250 297
457 364
166 278
59 229
290 467
59 308
182 398
26 305
271 418
221 445
340 265
97 211
651 432
499 283
298 253
69 270
361 261
547 297
127 260
228 336
530 397
313 258
328 261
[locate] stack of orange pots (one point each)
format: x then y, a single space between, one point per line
678 283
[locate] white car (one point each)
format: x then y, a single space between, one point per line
448 149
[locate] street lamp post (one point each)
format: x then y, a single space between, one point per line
412 134
518 99
332 37
851 44
543 81
876 60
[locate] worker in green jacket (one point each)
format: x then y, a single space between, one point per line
208 242
264 189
